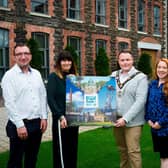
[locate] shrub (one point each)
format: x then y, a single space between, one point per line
144 64
36 61
102 63
74 55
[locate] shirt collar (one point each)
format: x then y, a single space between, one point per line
131 71
19 70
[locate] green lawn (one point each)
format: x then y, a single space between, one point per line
97 149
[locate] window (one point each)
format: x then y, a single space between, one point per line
43 42
4 51
122 46
156 20
39 6
75 43
101 11
73 9
100 44
122 13
141 15
4 3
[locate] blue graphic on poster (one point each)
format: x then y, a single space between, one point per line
90 100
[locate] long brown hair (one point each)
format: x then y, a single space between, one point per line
64 55
165 85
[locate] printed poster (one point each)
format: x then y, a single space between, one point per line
90 100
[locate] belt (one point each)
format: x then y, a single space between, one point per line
30 120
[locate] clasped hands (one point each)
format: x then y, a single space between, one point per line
120 122
154 125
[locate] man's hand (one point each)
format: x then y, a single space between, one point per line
120 122
22 133
43 125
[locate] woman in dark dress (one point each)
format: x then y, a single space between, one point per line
65 138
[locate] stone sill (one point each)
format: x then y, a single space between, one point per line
140 32
73 20
5 9
157 35
123 29
40 14
101 25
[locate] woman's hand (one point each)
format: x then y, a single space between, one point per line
156 125
63 122
150 123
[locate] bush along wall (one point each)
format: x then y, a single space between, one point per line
144 64
102 63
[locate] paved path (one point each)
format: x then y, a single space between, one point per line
4 145
3 138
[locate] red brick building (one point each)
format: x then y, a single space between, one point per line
86 26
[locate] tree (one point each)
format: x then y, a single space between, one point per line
144 64
102 63
74 55
36 61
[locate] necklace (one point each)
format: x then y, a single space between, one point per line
121 85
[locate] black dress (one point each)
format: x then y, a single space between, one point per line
69 136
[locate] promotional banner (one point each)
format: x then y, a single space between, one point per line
90 100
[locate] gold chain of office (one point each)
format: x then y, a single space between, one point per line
121 85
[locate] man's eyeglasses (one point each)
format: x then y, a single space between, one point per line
22 53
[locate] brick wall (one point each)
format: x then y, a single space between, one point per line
20 22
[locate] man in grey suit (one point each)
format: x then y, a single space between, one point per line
132 87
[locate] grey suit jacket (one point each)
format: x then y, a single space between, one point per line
133 99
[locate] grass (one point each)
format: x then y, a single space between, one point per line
97 149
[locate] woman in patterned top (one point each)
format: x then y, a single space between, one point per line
157 111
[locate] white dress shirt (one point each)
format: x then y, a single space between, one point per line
24 95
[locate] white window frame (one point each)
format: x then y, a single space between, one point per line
45 50
122 45
73 12
4 3
4 49
44 4
156 19
141 15
100 44
122 8
100 12
77 48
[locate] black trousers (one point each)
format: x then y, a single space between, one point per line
26 150
69 137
